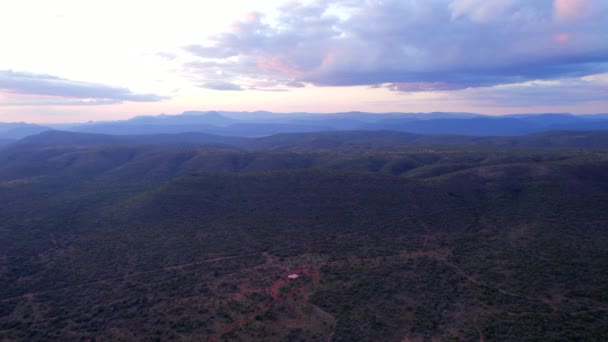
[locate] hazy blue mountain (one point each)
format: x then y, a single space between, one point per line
4 142
18 130
261 129
366 117
244 129
261 123
158 124
582 126
603 116
482 126
565 121
186 118
119 128
550 119
6 126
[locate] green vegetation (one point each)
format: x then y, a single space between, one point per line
140 242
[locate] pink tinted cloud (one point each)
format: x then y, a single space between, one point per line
571 10
250 19
562 38
276 64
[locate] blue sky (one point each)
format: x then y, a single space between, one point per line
73 61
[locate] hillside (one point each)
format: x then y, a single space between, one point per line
137 241
63 138
113 159
392 140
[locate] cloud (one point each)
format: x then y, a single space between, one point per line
424 86
223 86
480 10
28 100
166 56
418 45
55 90
568 10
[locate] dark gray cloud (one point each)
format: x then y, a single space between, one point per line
66 91
418 45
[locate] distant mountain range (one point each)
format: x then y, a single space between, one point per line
265 123
320 141
259 124
18 130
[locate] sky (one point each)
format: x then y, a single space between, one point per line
85 60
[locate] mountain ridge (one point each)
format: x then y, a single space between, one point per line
258 124
366 139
